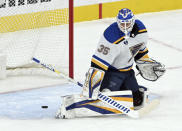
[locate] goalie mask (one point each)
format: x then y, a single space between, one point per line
125 21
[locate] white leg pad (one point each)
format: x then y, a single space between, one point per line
92 83
78 106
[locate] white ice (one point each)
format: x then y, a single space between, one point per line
22 110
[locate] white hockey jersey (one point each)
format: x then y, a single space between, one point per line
117 53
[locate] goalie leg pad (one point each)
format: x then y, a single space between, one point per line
78 106
62 111
92 83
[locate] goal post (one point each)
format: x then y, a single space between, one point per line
37 28
71 40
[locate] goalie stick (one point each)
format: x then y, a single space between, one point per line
106 99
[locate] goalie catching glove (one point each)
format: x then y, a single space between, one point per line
150 69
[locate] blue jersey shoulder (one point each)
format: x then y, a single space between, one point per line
113 34
140 24
138 28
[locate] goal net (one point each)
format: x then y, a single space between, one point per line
35 28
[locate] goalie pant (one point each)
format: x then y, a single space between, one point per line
119 81
78 106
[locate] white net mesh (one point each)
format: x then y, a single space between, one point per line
34 28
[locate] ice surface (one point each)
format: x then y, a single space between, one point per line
28 104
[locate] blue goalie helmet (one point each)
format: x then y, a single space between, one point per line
125 20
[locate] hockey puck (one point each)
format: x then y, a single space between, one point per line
44 107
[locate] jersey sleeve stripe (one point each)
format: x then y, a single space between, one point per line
99 64
103 61
143 50
141 54
142 31
119 40
98 61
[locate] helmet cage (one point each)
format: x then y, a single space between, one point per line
125 21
